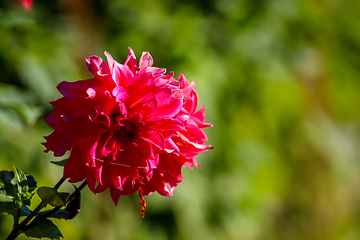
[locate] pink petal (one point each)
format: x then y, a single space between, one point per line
145 61
110 61
140 89
120 94
96 65
131 62
121 74
171 109
76 91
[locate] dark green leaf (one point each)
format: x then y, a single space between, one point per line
63 196
6 176
60 214
8 207
74 206
60 163
46 229
26 201
11 208
11 189
31 182
7 187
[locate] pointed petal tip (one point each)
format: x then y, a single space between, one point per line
115 195
107 54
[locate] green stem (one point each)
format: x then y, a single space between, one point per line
61 181
17 215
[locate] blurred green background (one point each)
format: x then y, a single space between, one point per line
280 80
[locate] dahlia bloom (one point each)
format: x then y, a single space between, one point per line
129 128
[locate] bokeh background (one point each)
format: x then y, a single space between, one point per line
280 80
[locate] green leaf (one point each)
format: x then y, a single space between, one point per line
21 179
12 208
26 200
31 182
60 163
60 214
8 207
11 190
8 185
51 196
16 186
6 198
6 177
46 229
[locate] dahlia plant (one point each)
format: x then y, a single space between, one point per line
131 128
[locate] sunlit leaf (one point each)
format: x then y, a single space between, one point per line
6 198
21 179
50 196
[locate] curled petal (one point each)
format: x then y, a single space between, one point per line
96 65
131 62
120 94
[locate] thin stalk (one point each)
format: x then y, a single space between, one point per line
17 215
61 181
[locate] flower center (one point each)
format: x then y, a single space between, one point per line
125 129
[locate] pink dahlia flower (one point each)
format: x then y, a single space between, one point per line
129 128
